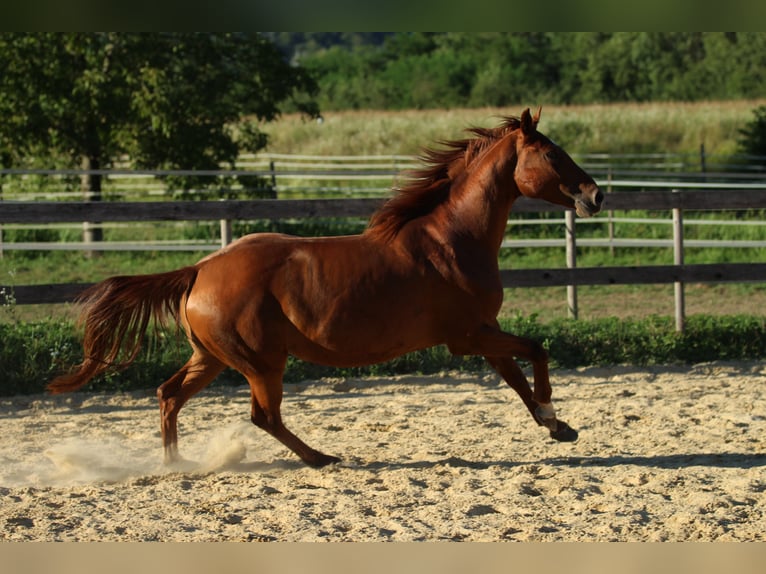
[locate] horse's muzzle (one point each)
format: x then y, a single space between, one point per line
589 200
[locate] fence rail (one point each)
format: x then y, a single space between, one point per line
292 175
730 198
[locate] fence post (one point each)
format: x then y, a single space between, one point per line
678 260
1 225
225 232
273 170
610 213
571 252
90 185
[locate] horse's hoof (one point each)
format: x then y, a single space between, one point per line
564 433
322 460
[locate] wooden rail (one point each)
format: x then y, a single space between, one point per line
61 212
293 175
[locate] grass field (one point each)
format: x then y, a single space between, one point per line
612 128
620 128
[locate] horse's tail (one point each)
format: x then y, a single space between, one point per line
116 315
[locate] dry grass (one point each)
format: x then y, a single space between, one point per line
615 128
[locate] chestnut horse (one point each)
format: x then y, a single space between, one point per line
423 273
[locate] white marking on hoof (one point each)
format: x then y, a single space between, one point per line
547 415
545 411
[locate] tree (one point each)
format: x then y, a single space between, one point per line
753 135
174 100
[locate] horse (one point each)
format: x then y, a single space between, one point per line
424 272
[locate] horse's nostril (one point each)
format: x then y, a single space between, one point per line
599 197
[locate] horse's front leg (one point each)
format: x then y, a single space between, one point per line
500 348
543 412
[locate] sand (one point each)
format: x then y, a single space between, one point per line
665 454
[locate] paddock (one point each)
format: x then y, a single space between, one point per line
665 454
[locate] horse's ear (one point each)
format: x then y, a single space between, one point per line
536 117
528 123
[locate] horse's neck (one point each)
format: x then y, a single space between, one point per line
480 206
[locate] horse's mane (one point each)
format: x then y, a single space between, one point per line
429 186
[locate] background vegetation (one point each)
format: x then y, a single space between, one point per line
457 69
177 101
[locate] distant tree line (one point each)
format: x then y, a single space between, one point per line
456 69
198 100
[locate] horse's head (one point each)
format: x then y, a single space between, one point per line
545 171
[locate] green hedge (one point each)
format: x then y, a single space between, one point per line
32 353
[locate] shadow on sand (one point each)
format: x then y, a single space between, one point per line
714 460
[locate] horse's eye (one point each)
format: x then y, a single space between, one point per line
552 155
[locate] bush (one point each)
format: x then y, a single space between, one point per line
753 135
33 353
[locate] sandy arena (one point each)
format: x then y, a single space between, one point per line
665 454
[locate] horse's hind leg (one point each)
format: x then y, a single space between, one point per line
266 399
194 376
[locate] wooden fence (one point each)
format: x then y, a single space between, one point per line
676 201
293 176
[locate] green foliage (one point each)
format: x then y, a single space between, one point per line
33 353
753 135
439 70
183 101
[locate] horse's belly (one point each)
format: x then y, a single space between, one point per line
352 355
365 339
